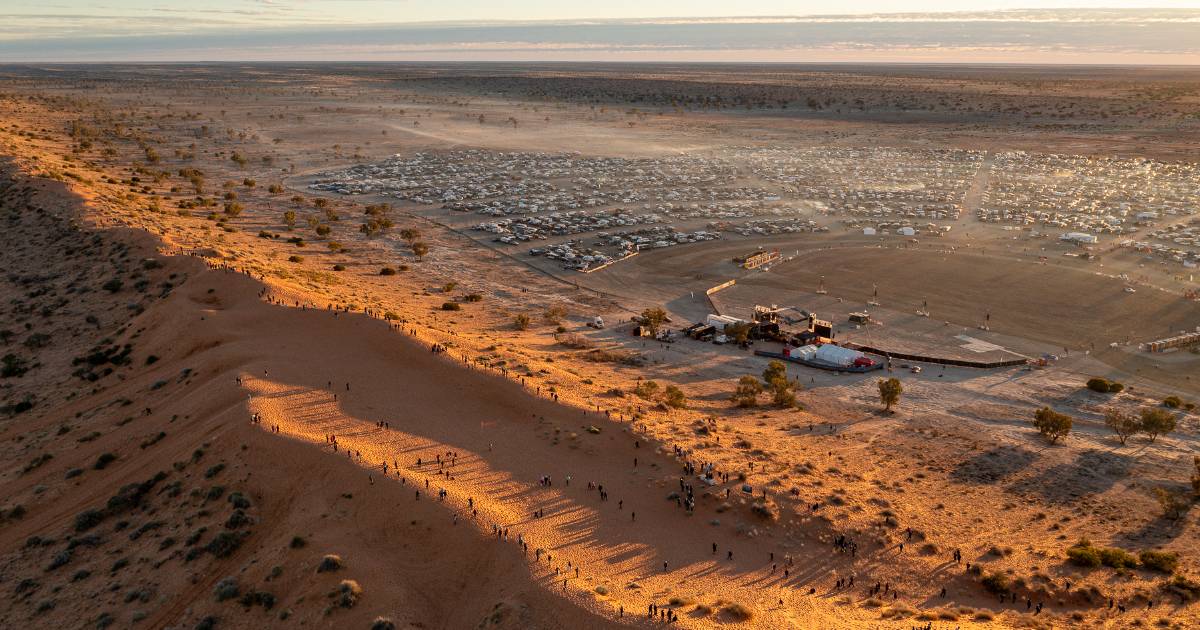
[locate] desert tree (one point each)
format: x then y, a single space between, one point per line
646 389
747 391
890 390
419 250
739 332
289 219
1156 422
1174 505
674 397
1052 424
1123 423
554 314
783 390
653 318
410 235
521 321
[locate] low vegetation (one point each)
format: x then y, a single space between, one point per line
890 390
1052 424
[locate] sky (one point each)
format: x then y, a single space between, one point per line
1014 31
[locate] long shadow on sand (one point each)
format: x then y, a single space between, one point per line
1160 529
993 465
1092 472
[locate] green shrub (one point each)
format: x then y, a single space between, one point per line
1172 402
1163 561
646 389
387 271
451 306
1117 558
1084 554
1098 384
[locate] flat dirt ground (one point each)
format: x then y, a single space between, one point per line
216 416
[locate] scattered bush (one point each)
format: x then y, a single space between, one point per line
1162 561
451 306
13 366
347 593
329 563
1104 386
747 391
1174 505
298 542
1052 424
296 259
1122 423
554 314
104 460
575 341
1172 402
387 271
226 589
37 462
646 389
1084 554
224 544
521 321
1117 558
995 583
1186 588
889 392
260 598
674 397
738 612
1156 422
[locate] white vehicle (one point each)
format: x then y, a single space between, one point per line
598 322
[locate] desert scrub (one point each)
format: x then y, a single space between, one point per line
1083 554
995 583
382 623
737 612
258 598
1163 561
224 544
330 562
346 594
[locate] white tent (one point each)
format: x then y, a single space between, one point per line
868 231
837 355
804 352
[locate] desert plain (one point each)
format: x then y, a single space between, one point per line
316 345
